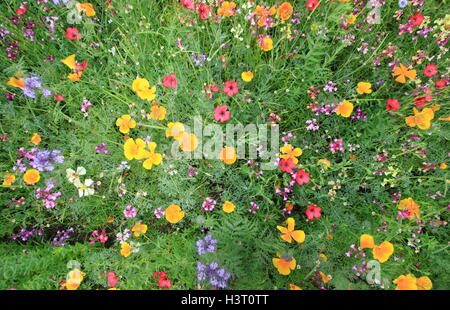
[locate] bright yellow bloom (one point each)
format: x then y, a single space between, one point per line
228 207
407 282
345 109
75 277
87 7
36 139
247 76
420 119
289 233
75 77
402 73
142 88
383 251
350 19
69 61
134 149
266 44
325 163
152 158
366 242
31 176
323 257
125 249
443 166
188 142
175 130
174 214
9 179
364 88
158 112
228 155
290 152
125 123
285 263
424 283
411 208
16 82
139 229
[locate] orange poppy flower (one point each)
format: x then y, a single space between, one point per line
125 249
228 155
9 179
366 242
157 112
139 229
188 142
402 73
125 123
174 214
383 251
411 207
284 264
291 152
31 176
227 8
36 139
20 82
407 282
345 109
420 119
364 88
175 130
289 233
424 283
285 10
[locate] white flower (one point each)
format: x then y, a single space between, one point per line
73 176
86 188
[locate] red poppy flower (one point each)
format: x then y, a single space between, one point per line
188 4
287 165
112 279
170 81
423 100
163 281
313 212
416 20
312 4
59 97
440 84
203 11
81 66
230 88
392 104
72 33
21 11
221 113
302 177
430 70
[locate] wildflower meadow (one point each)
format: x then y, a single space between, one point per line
224 145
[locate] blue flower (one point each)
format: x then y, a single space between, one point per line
402 3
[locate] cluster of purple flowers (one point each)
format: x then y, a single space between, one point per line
207 244
86 104
312 125
330 87
199 59
326 109
44 160
360 114
24 234
32 83
208 204
288 189
192 172
50 23
24 157
101 148
61 236
212 274
49 199
12 46
336 145
253 207
159 212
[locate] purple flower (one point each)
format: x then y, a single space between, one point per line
44 160
129 211
101 148
253 207
218 277
208 244
159 213
208 204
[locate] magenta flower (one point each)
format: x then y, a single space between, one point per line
221 113
129 211
170 81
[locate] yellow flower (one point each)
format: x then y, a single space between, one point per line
290 152
325 278
420 119
402 73
366 242
443 166
75 277
350 19
87 7
364 88
125 249
407 282
158 112
31 176
247 76
323 257
174 214
142 88
284 264
139 229
134 150
383 251
345 109
289 233
148 94
75 77
175 130
188 142
152 158
325 163
125 123
226 8
228 207
266 44
411 208
424 283
20 82
9 179
228 155
69 61
36 139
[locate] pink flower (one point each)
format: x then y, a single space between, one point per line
72 33
112 279
170 81
230 88
130 211
221 113
302 177
313 212
59 97
203 11
430 70
188 4
392 104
